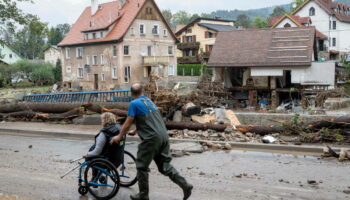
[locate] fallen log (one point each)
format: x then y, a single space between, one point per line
20 114
76 112
333 123
194 126
261 130
100 109
54 107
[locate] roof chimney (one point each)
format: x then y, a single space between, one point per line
94 6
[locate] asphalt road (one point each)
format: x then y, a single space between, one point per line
33 173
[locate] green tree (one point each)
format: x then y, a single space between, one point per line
56 34
244 21
30 40
296 4
43 74
181 17
206 15
260 23
57 71
7 72
10 15
278 11
168 15
194 17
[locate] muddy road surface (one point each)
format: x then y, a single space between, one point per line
30 168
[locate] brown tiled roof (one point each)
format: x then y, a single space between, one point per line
328 6
105 17
264 47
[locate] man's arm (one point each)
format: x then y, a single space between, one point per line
124 131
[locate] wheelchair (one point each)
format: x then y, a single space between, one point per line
102 179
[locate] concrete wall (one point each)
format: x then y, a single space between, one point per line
266 119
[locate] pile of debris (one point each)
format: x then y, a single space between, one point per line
343 155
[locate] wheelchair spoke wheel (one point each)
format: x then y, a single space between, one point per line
127 170
102 179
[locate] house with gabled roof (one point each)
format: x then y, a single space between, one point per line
331 19
287 21
198 37
7 55
52 54
115 44
273 66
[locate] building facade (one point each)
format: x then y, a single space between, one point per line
270 65
7 55
198 38
52 54
331 19
120 43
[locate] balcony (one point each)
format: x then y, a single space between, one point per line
188 45
206 55
155 60
188 60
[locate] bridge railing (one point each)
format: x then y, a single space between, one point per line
82 97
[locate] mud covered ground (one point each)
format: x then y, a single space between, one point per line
33 173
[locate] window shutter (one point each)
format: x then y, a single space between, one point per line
184 39
194 38
206 34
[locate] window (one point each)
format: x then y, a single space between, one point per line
86 36
127 74
126 50
312 11
132 31
69 69
334 42
94 35
114 73
155 30
103 78
67 53
89 77
102 59
149 50
101 34
287 25
80 73
210 35
189 53
10 55
165 32
94 60
114 51
79 52
88 60
334 25
189 39
170 50
142 29
171 70
149 11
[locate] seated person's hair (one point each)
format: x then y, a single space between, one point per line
108 119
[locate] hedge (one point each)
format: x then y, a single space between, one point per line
192 69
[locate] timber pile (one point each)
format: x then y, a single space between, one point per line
163 98
321 97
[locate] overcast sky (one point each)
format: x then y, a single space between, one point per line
67 11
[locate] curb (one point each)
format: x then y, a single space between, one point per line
235 145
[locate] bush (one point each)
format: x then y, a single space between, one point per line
43 74
23 84
57 71
191 69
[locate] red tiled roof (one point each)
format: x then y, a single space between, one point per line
320 35
105 17
328 6
273 21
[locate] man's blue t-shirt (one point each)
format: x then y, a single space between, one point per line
138 107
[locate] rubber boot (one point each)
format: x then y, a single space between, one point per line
184 185
142 177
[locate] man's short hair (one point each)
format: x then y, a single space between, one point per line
136 89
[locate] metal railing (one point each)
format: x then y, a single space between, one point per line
81 97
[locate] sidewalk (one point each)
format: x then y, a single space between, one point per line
88 132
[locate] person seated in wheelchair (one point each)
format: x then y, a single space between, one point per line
102 147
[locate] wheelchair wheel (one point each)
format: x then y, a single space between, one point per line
83 190
127 170
102 179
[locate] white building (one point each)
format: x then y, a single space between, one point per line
7 55
332 19
52 54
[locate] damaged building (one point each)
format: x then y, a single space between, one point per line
271 66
